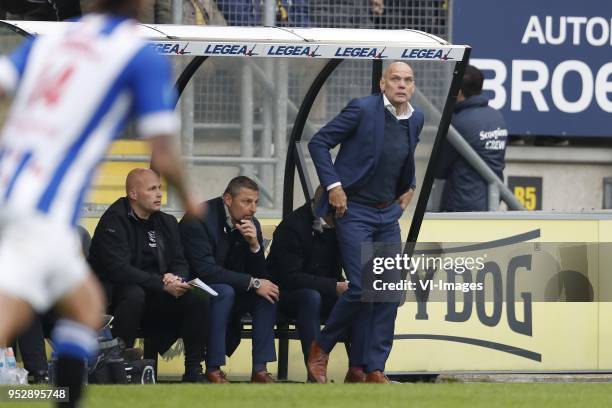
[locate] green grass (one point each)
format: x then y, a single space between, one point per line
312 395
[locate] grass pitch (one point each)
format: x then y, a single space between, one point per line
312 395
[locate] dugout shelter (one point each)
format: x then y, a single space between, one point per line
196 46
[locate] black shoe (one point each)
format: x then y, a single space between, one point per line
195 377
40 377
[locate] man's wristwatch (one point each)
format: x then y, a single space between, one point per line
256 283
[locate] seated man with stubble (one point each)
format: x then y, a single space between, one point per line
136 252
225 249
305 261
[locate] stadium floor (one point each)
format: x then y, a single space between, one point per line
312 395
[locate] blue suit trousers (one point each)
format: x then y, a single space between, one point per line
362 225
308 307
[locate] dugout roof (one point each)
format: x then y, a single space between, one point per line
283 42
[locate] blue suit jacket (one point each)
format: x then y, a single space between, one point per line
360 131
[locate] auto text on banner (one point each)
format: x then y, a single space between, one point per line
547 64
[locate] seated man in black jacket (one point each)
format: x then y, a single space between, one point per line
136 251
305 261
225 249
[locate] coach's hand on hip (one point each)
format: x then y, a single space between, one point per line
337 199
404 199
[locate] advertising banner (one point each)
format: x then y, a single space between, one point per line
547 64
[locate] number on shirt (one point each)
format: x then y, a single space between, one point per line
50 85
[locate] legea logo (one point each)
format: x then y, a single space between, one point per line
230 49
361 52
174 49
293 51
426 53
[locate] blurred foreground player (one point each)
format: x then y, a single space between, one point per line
74 92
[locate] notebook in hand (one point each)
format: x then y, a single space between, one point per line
201 288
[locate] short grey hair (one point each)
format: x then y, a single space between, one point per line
237 183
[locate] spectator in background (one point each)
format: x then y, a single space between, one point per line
292 13
240 12
136 252
305 260
41 10
377 9
225 249
340 13
156 12
424 15
202 12
485 130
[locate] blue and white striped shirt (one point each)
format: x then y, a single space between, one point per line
74 93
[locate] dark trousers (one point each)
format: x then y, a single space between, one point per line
162 317
32 347
363 224
309 308
228 306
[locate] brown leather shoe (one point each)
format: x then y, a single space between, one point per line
355 375
262 377
217 377
317 364
377 377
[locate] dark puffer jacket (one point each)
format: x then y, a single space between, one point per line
485 130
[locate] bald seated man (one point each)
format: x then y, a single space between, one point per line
136 252
368 187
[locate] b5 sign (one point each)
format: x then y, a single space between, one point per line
546 63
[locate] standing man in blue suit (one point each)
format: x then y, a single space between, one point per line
369 186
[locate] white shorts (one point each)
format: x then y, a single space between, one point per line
40 261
